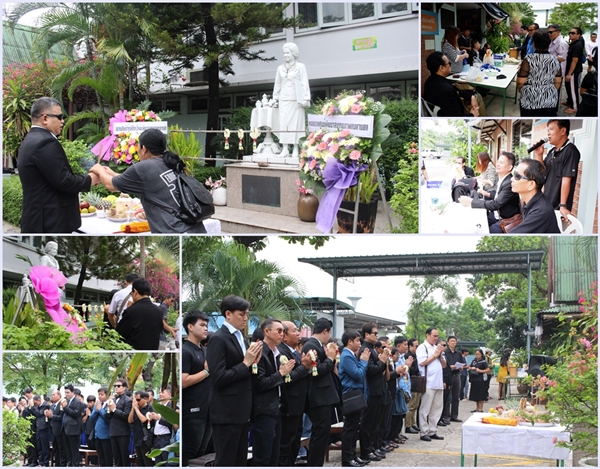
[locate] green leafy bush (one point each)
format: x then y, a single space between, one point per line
202 173
79 155
12 200
16 432
405 198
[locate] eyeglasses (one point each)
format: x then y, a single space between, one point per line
118 386
531 30
138 400
60 117
553 31
518 177
375 333
573 32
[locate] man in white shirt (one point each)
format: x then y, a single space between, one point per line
119 301
589 47
431 363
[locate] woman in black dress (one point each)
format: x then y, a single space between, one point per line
478 377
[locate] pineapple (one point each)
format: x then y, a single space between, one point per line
104 205
93 199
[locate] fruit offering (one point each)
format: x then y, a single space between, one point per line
135 227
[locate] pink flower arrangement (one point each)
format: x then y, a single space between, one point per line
216 183
48 282
302 189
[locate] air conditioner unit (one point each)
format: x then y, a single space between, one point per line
197 77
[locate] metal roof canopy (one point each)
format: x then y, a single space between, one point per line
352 318
458 263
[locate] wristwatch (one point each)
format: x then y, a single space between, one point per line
562 205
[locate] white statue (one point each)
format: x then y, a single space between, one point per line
292 95
48 259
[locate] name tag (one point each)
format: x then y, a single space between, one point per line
195 409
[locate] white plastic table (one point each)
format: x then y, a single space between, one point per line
453 219
533 441
103 226
493 83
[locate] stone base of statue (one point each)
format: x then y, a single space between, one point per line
267 160
268 152
270 189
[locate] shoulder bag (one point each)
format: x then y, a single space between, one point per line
509 224
419 383
354 401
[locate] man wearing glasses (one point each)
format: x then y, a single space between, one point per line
143 427
50 189
118 413
574 68
533 27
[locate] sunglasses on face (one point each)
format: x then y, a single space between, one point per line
118 386
60 117
518 177
138 400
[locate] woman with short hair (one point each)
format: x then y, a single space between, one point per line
451 50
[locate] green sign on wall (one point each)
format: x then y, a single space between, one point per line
364 43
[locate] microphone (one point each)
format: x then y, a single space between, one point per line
537 145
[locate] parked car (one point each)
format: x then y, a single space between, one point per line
431 154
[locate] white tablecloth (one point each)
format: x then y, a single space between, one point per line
508 70
264 117
454 219
537 442
102 226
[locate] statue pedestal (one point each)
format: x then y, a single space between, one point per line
263 160
270 189
266 118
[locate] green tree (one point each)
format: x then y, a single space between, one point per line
506 293
214 33
576 14
16 433
520 13
422 305
470 321
232 269
102 257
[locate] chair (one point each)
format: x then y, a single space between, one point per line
575 227
428 109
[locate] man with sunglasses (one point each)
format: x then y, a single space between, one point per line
142 426
50 189
574 69
118 413
538 214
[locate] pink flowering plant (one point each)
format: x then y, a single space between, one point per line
215 184
571 386
302 189
351 103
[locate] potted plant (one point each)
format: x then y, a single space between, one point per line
218 189
571 385
524 383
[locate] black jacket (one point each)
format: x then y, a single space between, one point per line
50 189
375 369
440 92
322 389
267 385
72 421
40 418
141 325
119 426
296 390
507 202
538 217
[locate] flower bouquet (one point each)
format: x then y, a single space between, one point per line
334 159
121 150
215 184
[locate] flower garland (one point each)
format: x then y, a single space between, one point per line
122 149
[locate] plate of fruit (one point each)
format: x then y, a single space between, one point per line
86 210
92 202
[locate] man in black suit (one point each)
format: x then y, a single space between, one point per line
466 169
50 189
296 389
372 418
142 323
32 453
43 435
118 412
73 410
268 396
500 203
58 445
322 391
230 363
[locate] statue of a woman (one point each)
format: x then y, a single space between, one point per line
291 94
48 259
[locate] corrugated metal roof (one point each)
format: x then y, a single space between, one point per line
575 266
18 45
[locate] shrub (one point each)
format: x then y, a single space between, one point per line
202 173
81 159
16 433
12 200
405 199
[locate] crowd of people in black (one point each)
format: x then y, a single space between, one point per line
114 429
252 400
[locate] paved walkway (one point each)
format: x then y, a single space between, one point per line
446 453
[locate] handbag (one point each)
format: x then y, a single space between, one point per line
400 407
353 402
418 383
509 224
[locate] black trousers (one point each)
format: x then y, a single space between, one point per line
60 452
451 405
32 454
382 428
120 450
291 434
142 459
72 443
195 435
231 444
43 443
160 441
370 419
319 436
573 98
351 424
266 435
104 450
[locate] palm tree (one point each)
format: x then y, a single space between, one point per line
232 269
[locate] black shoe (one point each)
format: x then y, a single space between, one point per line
352 463
362 461
415 428
386 449
441 423
371 457
379 454
473 411
411 430
425 438
455 420
446 421
435 436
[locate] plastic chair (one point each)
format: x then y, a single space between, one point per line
428 109
574 228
